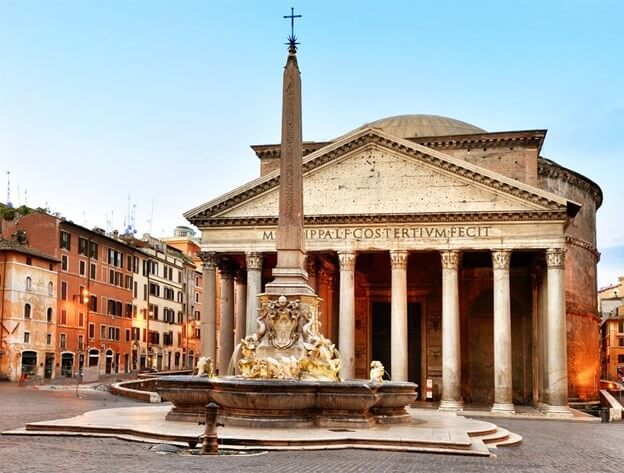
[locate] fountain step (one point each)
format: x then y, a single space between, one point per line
433 433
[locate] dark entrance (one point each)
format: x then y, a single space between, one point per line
381 338
49 365
67 364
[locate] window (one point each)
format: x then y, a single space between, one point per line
64 263
621 326
91 331
128 311
28 283
129 264
49 314
29 261
154 289
51 267
111 333
93 250
65 241
168 293
63 320
153 312
128 284
115 258
80 319
197 334
620 341
26 337
127 335
197 297
93 303
102 332
197 315
63 290
83 246
82 268
92 272
27 310
50 289
136 333
48 339
180 317
80 342
135 289
135 265
63 341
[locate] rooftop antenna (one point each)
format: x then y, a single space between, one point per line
129 219
19 197
26 197
9 203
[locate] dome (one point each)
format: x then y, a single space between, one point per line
410 126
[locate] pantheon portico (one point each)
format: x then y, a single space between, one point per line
459 258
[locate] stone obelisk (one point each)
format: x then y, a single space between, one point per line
289 304
290 274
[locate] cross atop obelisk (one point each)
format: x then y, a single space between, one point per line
290 275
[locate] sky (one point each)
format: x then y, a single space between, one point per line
114 108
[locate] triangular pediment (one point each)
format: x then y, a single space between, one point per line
378 175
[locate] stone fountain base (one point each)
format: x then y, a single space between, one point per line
288 403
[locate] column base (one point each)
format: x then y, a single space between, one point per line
503 408
451 406
557 411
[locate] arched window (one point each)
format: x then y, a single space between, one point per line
28 283
27 311
50 288
49 313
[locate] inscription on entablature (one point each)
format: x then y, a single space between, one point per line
390 233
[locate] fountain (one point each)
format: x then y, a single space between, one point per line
287 374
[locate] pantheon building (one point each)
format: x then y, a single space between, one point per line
463 260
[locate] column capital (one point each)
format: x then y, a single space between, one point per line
311 264
398 259
208 258
227 268
254 261
240 276
450 259
555 258
325 276
501 259
347 260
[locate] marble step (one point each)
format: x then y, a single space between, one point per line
501 438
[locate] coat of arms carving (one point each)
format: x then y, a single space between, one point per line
282 319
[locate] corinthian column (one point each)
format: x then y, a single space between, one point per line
254 287
346 329
503 398
451 354
208 328
240 306
398 320
556 334
226 331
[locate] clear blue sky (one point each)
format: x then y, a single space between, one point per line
160 100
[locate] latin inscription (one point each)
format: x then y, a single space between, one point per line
390 233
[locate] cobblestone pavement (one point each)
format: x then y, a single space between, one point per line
547 447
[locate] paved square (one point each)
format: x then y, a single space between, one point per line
548 446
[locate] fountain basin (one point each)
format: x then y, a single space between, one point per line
279 403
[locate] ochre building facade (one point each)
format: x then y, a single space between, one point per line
459 258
